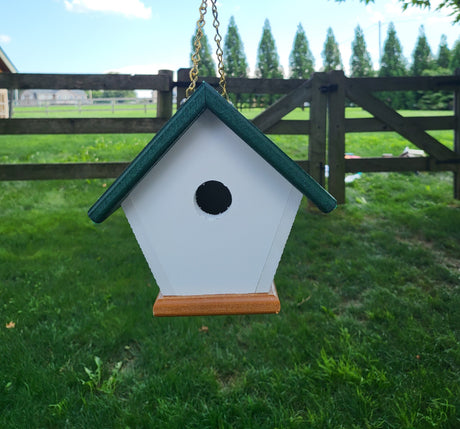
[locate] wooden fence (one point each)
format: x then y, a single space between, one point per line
327 126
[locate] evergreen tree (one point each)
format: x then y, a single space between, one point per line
268 62
443 59
301 60
422 59
361 63
236 64
455 58
393 63
207 66
331 53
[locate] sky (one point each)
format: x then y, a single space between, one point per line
144 36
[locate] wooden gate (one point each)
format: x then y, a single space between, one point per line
414 129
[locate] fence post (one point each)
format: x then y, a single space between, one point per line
457 138
336 144
317 139
11 102
165 98
4 103
183 81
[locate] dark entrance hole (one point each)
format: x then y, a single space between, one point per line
213 197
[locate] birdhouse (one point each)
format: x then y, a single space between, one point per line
211 201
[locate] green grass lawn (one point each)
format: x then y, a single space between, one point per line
367 337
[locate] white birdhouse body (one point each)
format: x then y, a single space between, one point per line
193 252
211 201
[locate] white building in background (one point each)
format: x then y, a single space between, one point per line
34 97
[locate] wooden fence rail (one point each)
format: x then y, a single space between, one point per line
158 82
81 125
327 127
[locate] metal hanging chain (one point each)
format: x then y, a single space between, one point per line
219 52
197 44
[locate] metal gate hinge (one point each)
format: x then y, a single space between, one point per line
328 88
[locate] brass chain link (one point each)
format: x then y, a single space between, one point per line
197 45
219 52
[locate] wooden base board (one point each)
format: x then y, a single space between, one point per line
221 304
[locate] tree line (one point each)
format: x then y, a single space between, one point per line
302 62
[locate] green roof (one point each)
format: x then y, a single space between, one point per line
205 97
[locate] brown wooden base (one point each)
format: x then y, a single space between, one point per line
221 304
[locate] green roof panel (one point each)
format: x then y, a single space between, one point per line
205 97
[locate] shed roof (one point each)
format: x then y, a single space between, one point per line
5 63
205 97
